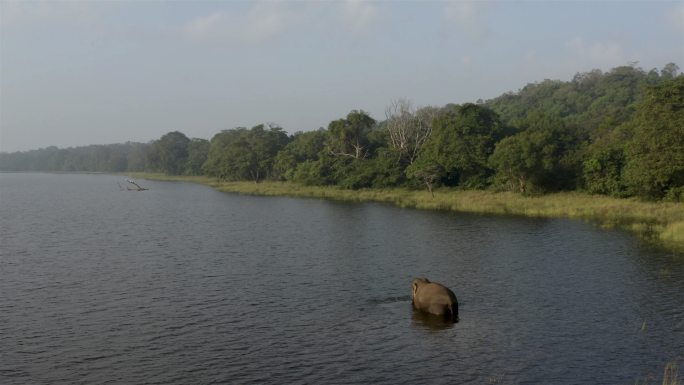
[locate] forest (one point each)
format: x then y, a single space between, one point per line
618 133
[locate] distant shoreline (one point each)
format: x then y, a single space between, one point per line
659 223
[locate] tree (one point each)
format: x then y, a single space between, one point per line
669 71
264 146
242 154
198 151
217 163
463 138
349 136
170 153
408 129
517 161
543 156
602 172
655 153
603 166
302 147
427 172
383 170
594 101
118 160
319 172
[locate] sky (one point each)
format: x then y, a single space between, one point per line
98 72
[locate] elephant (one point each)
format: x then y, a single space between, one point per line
434 298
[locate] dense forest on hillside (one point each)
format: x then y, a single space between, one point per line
618 133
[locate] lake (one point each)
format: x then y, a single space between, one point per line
182 284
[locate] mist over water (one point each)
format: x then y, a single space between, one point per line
183 284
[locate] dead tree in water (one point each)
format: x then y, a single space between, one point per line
128 188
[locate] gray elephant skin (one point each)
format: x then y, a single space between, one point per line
434 298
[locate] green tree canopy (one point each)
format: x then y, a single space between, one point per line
655 153
170 153
592 101
541 157
617 132
303 146
349 136
463 138
198 151
242 154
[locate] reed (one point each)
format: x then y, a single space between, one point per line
659 222
671 375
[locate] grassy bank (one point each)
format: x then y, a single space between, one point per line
662 223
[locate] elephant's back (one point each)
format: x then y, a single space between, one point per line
437 293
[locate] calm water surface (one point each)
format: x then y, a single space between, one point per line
185 285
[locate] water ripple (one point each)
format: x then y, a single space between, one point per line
204 287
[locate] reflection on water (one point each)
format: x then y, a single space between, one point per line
424 320
183 284
390 300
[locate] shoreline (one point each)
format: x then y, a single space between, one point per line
658 223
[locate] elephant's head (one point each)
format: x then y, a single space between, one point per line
415 284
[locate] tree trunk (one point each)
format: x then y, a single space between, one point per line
255 176
429 187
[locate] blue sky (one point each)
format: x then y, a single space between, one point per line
97 72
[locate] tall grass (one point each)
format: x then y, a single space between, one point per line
658 222
671 376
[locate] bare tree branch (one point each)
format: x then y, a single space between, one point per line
408 128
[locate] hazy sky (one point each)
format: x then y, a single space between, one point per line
96 72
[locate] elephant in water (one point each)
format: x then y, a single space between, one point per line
434 298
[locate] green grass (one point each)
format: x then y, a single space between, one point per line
658 222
